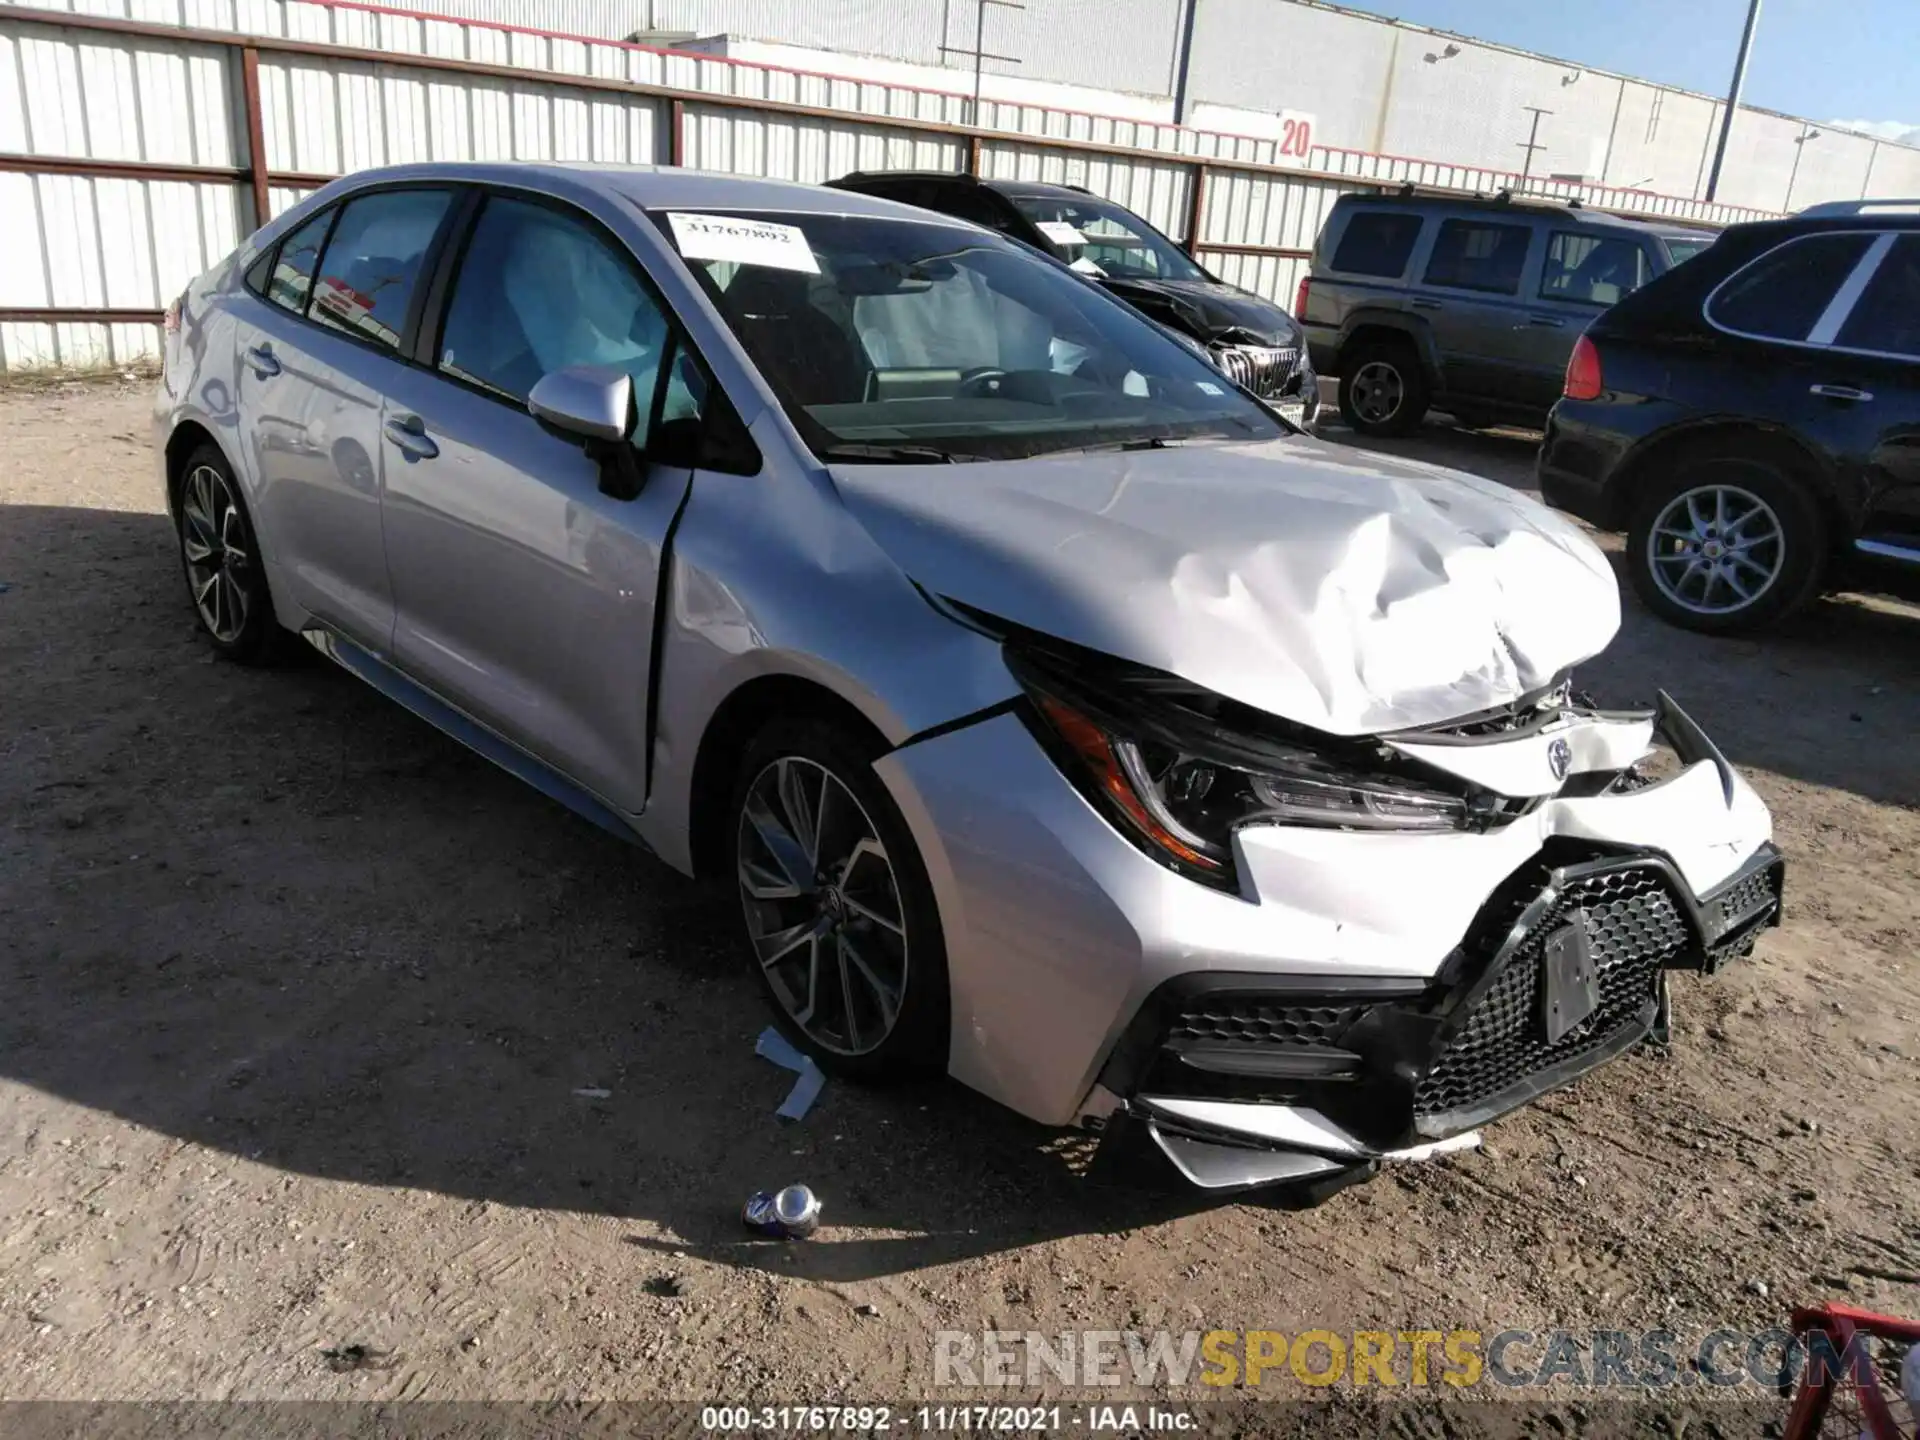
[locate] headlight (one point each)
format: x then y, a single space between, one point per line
1175 770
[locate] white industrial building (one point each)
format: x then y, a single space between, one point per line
1367 84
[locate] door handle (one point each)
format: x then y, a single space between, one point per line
262 358
1543 322
1841 392
1428 305
409 432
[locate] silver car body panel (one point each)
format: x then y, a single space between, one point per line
1351 593
1041 898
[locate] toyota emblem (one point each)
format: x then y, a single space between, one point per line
1559 758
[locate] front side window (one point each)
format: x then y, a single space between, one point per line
1377 242
1681 248
1784 293
1592 269
913 338
295 262
1099 238
1886 318
1473 255
538 291
373 262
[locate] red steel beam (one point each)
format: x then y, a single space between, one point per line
256 133
78 317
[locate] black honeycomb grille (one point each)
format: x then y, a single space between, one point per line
1744 897
1257 1020
1634 927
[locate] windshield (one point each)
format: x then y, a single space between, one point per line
1685 247
1101 239
906 340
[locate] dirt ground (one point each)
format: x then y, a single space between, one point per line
298 1001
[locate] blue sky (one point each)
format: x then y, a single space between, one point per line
1842 60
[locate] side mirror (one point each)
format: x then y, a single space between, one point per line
593 404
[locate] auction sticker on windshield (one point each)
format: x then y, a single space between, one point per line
1061 233
745 242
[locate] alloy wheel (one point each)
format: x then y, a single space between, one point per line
1716 549
1378 392
822 905
219 556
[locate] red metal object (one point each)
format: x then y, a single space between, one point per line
1850 1388
256 135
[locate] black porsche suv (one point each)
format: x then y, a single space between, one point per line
1751 419
1253 342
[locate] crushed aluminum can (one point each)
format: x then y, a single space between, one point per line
792 1214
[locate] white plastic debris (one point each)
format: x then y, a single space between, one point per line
774 1046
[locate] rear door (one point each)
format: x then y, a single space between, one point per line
315 362
1871 376
1822 323
1583 272
1470 294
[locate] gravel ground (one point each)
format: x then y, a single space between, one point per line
299 1000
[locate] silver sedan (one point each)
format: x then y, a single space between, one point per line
1065 721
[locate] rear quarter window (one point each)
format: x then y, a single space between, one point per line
1377 242
1783 293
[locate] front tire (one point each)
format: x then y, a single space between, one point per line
1383 388
220 556
1725 544
841 924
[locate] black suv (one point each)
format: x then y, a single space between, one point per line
1752 419
1254 342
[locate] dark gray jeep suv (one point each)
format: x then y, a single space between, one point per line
1469 305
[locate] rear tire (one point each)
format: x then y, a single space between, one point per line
1723 544
1383 388
841 926
220 557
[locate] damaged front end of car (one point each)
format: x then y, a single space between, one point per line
1255 1078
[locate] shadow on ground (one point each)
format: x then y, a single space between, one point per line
270 913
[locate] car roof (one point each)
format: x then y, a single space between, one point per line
1526 205
960 177
656 186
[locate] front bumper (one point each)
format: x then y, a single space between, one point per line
1216 1066
1281 376
1366 997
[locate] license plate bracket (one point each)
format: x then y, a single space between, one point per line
1569 983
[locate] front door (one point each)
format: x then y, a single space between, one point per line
1583 273
523 595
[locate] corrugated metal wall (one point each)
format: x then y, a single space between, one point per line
120 245
1369 82
807 150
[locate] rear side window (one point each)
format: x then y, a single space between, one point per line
1592 269
1377 242
1473 255
1887 316
1782 294
373 262
298 257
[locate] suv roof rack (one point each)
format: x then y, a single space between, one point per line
1834 209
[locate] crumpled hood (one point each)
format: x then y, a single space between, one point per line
1346 591
1209 310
